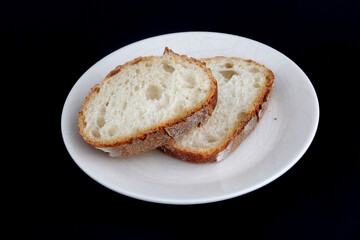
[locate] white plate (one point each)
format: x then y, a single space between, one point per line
277 143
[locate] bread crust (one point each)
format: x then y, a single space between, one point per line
243 129
161 134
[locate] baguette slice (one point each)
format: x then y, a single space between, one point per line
146 103
244 89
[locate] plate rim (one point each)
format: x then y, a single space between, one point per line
301 152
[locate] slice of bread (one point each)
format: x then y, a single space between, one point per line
244 89
146 103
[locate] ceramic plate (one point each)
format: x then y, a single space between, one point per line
276 144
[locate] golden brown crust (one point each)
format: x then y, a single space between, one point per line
158 135
243 129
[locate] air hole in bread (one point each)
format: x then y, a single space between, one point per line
163 84
148 64
256 85
137 71
102 111
136 88
228 74
153 92
126 81
168 68
190 81
257 79
124 106
96 133
229 65
254 70
112 131
100 122
211 139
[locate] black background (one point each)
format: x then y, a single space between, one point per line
47 46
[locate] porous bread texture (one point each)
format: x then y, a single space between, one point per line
145 103
244 88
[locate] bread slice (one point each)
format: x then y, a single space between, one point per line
146 103
244 89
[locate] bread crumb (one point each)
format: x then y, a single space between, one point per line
275 118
